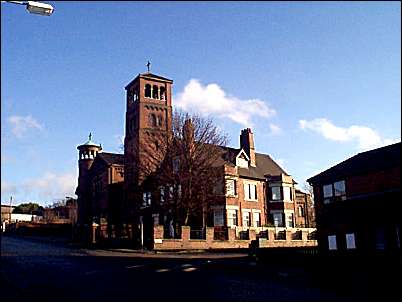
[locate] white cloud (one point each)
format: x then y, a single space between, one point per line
51 186
211 99
21 124
275 129
366 137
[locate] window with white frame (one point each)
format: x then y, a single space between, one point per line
350 241
232 217
287 194
275 193
257 219
289 220
246 219
231 187
146 199
250 191
332 242
218 217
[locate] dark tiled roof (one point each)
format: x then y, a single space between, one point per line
112 158
373 160
265 165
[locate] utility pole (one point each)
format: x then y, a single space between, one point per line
11 209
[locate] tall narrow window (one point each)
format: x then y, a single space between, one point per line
286 194
162 194
218 217
162 93
257 219
350 241
300 211
250 191
332 242
289 220
147 90
276 193
339 189
146 199
232 217
246 219
231 187
278 222
327 189
155 90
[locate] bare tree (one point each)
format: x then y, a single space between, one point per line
184 164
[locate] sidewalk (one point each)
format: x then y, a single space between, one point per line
153 254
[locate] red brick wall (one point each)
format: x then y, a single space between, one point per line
373 182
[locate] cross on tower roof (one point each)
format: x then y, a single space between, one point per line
148 65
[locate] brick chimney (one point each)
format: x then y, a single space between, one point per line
247 143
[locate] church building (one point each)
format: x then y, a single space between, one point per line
255 190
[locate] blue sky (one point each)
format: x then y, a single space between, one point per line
316 82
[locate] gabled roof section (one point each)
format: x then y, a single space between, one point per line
111 158
241 154
150 76
265 165
373 160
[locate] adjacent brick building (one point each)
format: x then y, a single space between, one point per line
254 190
358 203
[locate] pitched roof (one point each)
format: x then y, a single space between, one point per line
112 158
265 165
373 160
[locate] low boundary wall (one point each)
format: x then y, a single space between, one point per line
185 243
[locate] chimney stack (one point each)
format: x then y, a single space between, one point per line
247 143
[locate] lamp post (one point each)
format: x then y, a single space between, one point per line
34 7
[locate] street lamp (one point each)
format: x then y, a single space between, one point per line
35 7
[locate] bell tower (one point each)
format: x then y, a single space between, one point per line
148 119
87 154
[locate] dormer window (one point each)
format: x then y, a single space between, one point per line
242 159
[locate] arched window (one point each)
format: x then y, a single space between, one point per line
152 119
155 92
147 90
159 121
163 93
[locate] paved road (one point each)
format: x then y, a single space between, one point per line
50 272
